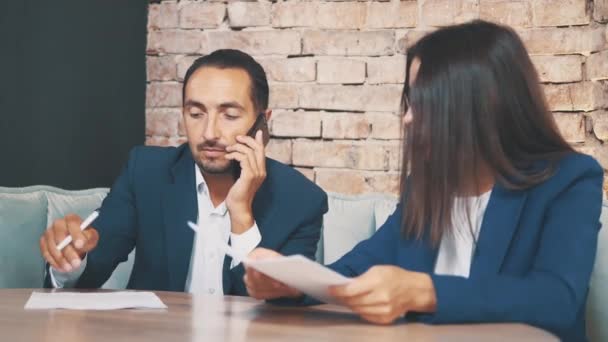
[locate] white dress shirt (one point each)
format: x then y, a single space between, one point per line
457 247
206 261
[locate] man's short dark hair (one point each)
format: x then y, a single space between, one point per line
235 59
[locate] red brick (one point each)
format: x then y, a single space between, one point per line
384 98
357 182
597 66
183 63
295 124
175 41
559 69
340 15
600 10
279 42
162 122
584 96
294 14
600 124
448 12
166 94
284 96
511 13
279 149
340 154
201 14
560 12
386 70
395 14
341 181
248 14
571 125
161 68
573 40
163 15
385 125
289 69
340 71
345 126
336 43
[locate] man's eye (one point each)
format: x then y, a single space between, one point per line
196 115
231 116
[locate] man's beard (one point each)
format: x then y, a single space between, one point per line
216 166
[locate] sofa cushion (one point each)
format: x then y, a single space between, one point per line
384 206
22 221
349 220
81 203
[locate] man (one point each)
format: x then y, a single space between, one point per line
220 179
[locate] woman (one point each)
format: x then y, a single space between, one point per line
499 216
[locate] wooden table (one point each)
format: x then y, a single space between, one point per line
215 318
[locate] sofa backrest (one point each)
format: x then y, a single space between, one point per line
349 220
24 215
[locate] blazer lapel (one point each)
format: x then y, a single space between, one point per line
499 224
180 206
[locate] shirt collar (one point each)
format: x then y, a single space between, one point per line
203 189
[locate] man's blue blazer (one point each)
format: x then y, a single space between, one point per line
155 196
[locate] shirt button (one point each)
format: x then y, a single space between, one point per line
211 291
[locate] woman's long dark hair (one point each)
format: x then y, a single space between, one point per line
476 100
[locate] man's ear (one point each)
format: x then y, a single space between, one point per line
268 114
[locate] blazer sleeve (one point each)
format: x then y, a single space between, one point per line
303 240
552 293
117 225
379 249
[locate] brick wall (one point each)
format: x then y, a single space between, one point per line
336 70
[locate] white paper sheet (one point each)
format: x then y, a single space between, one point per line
301 273
94 301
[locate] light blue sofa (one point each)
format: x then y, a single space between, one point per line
25 212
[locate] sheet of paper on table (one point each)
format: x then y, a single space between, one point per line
301 273
94 301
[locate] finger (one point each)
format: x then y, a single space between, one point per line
46 255
78 238
248 152
372 298
52 241
255 289
358 286
243 162
254 281
379 319
268 293
373 310
70 254
257 145
92 238
264 282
